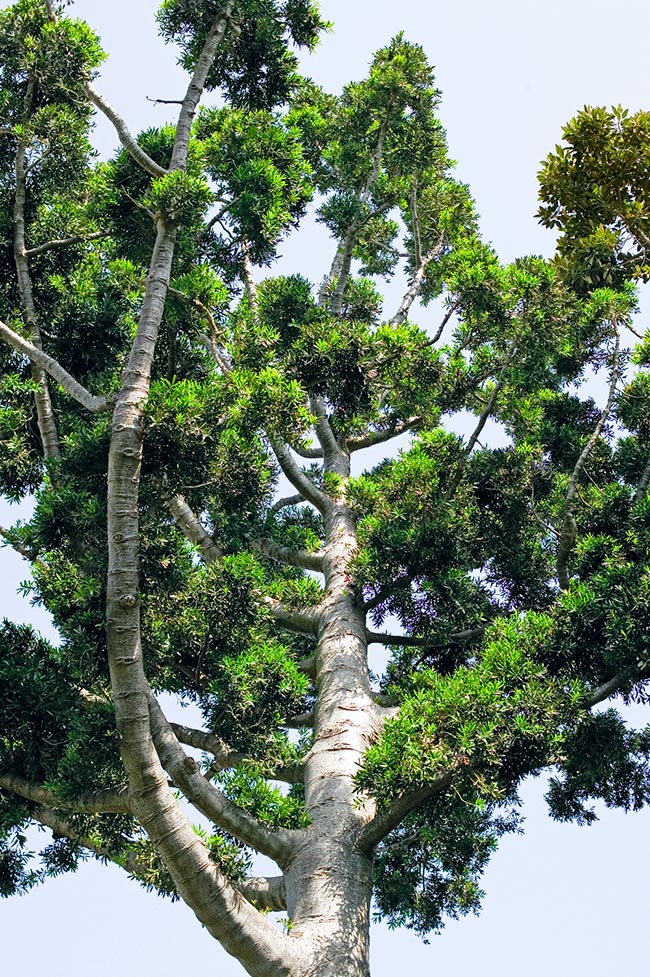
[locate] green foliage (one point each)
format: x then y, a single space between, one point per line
256 70
594 190
457 538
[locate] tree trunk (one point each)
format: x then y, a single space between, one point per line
329 881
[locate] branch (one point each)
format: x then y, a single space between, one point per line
298 622
64 242
441 328
197 84
482 421
187 520
303 721
289 556
277 843
387 591
267 895
383 823
212 345
568 530
309 491
56 371
643 483
324 433
23 551
128 141
416 284
379 437
225 758
45 413
311 453
410 641
99 802
59 826
285 503
249 279
611 687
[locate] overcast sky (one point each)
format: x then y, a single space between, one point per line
559 900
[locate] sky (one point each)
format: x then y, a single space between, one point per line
560 899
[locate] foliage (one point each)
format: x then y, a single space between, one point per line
516 575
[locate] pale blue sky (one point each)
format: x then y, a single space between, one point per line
560 900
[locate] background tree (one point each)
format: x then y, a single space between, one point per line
494 678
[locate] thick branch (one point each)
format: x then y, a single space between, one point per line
186 775
300 481
324 432
267 895
99 802
187 520
568 529
56 371
298 622
311 453
289 556
241 929
614 685
128 141
642 487
249 279
383 823
196 85
411 641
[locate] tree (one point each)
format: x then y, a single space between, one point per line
183 385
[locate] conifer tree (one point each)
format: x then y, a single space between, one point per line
186 420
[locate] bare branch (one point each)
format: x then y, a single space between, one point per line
98 802
285 503
312 453
308 666
197 83
267 895
395 429
568 529
384 822
225 758
186 775
303 721
45 413
326 437
441 328
249 279
298 622
128 141
289 556
41 359
416 284
189 523
65 242
482 421
642 487
309 491
614 685
412 641
212 345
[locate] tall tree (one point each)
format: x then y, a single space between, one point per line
187 426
